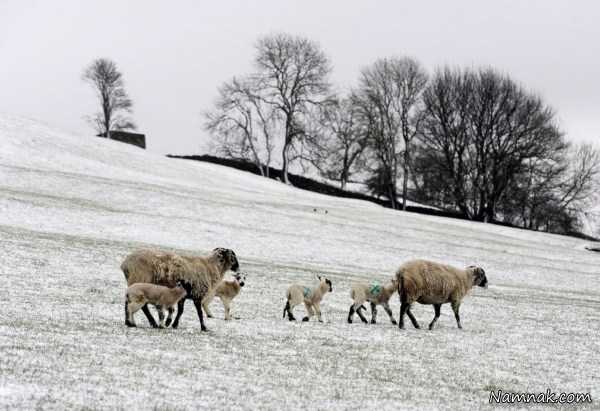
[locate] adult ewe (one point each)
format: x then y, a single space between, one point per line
197 274
427 282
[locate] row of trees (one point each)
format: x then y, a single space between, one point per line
470 140
493 149
273 107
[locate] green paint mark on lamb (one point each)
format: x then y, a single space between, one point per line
307 292
375 289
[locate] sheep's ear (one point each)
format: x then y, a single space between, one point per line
318 277
233 261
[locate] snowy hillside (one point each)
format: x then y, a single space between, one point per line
71 208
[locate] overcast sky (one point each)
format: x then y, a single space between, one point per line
174 54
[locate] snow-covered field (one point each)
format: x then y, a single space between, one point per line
72 207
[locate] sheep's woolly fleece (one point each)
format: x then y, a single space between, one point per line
162 267
434 280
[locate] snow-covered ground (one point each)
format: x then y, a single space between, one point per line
363 189
72 208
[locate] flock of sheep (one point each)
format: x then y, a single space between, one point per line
165 280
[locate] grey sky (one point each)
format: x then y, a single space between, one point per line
175 54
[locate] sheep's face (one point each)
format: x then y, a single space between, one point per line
228 258
327 282
241 279
185 286
479 277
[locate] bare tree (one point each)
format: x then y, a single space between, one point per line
242 124
579 188
103 75
337 148
552 194
411 79
294 73
480 130
389 96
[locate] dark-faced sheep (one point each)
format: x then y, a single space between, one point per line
427 282
311 296
375 294
198 274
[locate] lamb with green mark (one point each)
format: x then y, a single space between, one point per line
311 296
375 294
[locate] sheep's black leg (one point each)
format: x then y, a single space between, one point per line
169 317
287 309
403 308
180 305
373 313
290 315
198 304
149 316
360 314
351 314
387 309
438 309
455 307
413 320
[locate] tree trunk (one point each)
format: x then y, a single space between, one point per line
286 146
344 176
260 168
404 190
343 179
284 165
392 194
405 180
107 123
490 211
